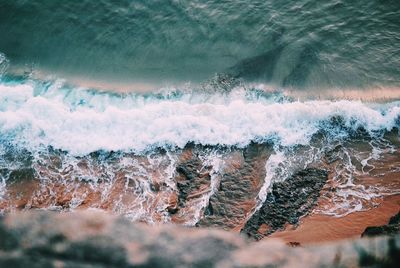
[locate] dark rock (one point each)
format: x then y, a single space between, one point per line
395 219
294 244
393 227
221 83
333 154
190 175
19 175
239 186
287 202
382 230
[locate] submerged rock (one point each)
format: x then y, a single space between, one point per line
287 202
95 239
240 184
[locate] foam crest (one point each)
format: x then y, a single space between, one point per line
213 160
82 121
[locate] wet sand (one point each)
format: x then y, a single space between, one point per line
243 178
317 228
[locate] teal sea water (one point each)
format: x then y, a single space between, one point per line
288 43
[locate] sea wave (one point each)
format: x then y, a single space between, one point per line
81 121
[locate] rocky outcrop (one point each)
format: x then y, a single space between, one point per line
95 239
198 193
193 181
287 202
242 179
393 227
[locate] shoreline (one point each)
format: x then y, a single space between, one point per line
319 228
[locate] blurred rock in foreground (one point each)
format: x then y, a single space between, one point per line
96 239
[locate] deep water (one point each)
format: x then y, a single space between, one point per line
299 44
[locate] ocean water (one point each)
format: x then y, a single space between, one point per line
219 75
298 44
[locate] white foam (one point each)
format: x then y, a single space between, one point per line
215 161
2 187
80 121
273 164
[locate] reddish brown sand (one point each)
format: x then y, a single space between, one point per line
120 195
317 228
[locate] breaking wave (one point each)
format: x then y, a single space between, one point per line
126 147
82 121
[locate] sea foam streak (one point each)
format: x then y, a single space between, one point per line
82 121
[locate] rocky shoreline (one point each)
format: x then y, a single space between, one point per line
193 190
194 194
317 228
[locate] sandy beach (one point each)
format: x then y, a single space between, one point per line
317 228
